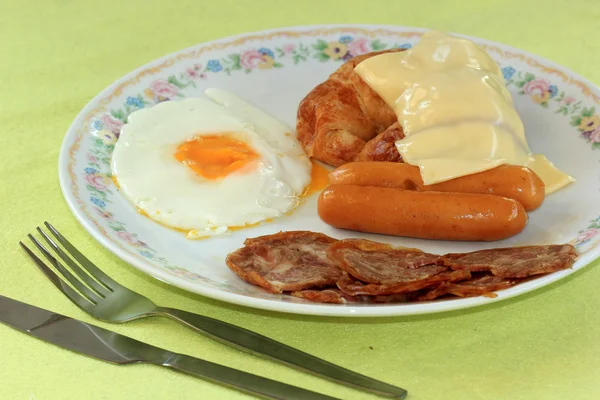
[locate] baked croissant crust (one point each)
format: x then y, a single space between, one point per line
343 120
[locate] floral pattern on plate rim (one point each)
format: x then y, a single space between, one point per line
105 127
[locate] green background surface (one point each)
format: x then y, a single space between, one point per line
56 55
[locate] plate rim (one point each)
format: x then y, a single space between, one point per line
317 309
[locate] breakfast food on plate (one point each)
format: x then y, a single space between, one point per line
383 146
316 267
477 286
335 296
205 166
457 116
286 261
429 215
427 143
516 262
512 181
339 116
402 286
349 255
453 162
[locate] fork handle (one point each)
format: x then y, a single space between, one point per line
247 340
255 384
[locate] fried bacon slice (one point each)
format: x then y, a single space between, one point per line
316 267
381 263
286 261
482 285
356 288
514 262
335 296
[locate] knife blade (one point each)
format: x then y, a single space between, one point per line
113 347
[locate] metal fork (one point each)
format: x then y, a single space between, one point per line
107 300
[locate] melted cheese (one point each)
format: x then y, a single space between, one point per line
457 115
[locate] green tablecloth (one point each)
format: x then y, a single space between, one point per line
56 55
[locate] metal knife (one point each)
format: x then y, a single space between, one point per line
110 346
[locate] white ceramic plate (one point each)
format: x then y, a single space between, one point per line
275 70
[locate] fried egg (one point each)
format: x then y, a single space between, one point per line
207 166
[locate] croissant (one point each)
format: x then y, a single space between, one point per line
343 120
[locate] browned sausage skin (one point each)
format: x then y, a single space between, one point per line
428 215
511 181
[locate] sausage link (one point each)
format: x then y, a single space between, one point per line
513 181
428 215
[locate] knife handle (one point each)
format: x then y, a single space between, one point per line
247 340
239 379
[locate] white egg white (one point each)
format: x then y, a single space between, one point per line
171 193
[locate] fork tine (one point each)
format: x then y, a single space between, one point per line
56 281
83 260
101 290
69 276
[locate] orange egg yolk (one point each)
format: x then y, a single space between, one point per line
216 156
319 179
